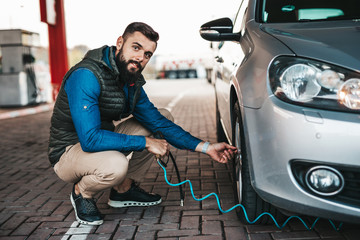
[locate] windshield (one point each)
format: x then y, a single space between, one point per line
280 11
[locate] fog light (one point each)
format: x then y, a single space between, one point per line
324 180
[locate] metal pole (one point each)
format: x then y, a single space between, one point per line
58 58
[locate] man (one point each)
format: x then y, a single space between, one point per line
86 148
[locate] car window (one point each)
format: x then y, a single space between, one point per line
239 19
279 11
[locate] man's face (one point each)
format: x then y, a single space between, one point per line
134 53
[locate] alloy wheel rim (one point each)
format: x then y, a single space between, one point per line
238 162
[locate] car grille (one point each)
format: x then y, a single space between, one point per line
351 192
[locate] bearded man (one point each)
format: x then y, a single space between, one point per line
87 149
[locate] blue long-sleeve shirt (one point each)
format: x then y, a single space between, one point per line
83 91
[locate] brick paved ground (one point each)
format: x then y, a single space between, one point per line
34 203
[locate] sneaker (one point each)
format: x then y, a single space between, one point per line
135 196
86 211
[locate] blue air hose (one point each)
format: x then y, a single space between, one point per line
337 228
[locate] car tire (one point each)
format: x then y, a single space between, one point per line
220 134
243 190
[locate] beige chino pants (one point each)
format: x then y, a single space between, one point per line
98 171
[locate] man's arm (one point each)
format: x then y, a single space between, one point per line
148 114
83 90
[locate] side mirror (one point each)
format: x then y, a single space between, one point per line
219 30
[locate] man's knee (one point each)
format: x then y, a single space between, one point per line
166 113
115 168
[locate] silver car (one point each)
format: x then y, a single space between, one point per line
287 83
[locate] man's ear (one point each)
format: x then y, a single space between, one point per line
119 43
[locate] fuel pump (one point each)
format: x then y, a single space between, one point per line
18 85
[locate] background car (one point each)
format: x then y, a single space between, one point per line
288 96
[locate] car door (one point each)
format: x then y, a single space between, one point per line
229 58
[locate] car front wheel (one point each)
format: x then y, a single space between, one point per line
243 190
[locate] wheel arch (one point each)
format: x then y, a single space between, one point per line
235 95
233 99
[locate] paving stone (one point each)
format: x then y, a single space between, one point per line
295 235
153 212
108 227
46 219
211 227
57 238
207 237
147 221
96 237
168 238
63 209
5 232
125 232
41 233
148 235
201 212
50 206
190 222
260 236
170 217
5 216
13 222
265 228
234 233
55 225
25 229
12 238
178 233
164 227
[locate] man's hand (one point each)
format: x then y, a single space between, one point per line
159 147
220 152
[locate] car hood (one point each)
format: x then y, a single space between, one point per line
336 43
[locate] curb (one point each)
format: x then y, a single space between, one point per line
27 111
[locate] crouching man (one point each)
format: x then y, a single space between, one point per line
86 149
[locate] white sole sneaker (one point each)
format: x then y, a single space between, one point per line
99 222
121 204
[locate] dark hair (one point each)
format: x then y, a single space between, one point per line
143 28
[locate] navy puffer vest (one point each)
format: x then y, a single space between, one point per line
112 102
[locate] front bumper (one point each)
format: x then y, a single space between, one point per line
279 133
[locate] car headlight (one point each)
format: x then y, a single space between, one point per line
349 93
315 84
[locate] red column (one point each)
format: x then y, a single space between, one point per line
58 58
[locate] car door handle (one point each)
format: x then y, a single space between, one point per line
219 59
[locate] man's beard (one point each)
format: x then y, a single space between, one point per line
125 75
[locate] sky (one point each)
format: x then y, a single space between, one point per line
100 22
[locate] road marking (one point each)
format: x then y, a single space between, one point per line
26 111
81 231
175 100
